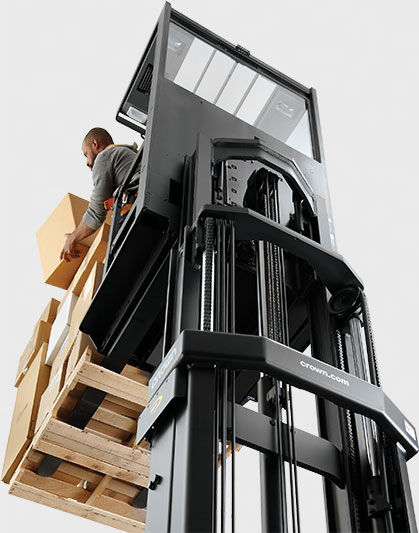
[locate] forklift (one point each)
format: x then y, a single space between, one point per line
224 281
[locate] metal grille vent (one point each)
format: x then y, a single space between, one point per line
145 84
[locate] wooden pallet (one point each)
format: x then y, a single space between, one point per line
102 472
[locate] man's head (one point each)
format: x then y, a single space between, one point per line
96 140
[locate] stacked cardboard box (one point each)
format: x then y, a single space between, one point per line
51 341
30 390
41 334
59 362
55 368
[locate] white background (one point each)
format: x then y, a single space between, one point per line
66 66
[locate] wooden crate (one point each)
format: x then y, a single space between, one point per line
102 472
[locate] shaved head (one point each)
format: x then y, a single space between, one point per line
100 134
96 140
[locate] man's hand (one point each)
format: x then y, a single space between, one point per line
70 247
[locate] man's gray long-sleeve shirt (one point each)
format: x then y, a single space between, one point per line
110 168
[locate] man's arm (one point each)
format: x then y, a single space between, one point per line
103 188
70 247
95 214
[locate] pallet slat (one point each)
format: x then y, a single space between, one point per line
99 490
105 380
121 422
53 486
89 450
85 511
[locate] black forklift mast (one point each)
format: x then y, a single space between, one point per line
225 283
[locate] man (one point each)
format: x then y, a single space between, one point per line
110 164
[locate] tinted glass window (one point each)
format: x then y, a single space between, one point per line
216 77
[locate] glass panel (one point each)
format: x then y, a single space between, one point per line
236 88
300 138
255 100
216 77
178 48
194 64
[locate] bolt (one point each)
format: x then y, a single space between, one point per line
156 481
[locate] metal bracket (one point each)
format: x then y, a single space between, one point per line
247 352
258 431
242 50
377 502
140 501
169 390
331 267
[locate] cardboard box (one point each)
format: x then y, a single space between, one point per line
76 342
28 397
61 327
51 238
48 398
96 254
68 319
50 311
81 342
60 362
41 334
59 334
84 300
56 383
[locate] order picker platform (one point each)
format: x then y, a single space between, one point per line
225 284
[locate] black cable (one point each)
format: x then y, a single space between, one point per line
294 455
223 302
233 375
216 449
218 287
283 503
223 448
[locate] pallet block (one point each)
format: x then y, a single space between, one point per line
101 473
